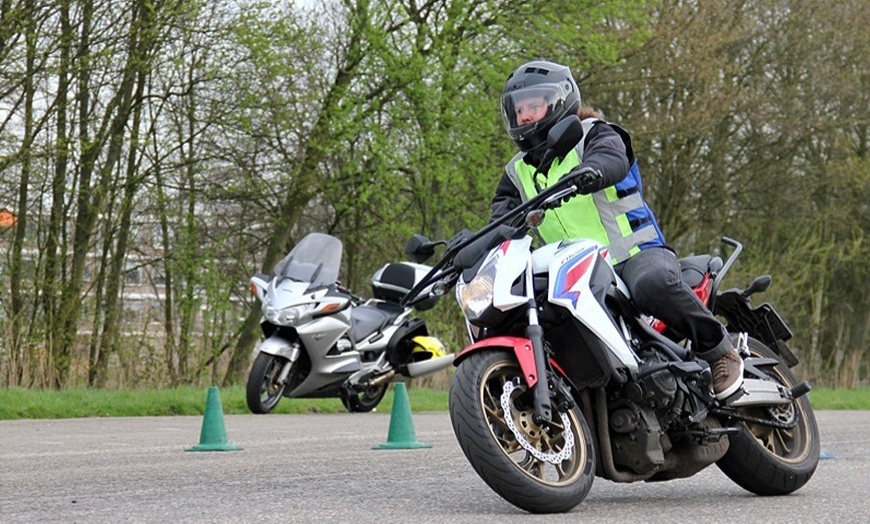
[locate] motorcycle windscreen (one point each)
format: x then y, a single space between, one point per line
315 259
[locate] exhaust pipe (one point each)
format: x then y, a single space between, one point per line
381 379
414 370
425 367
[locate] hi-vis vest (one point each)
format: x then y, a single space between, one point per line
615 216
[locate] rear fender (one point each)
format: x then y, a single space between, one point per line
521 348
762 323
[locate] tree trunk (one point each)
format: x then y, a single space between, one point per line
17 343
92 200
52 277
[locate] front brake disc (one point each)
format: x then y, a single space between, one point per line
553 457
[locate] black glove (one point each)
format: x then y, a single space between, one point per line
588 180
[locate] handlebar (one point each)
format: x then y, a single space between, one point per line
549 198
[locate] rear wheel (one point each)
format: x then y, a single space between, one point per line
263 390
538 469
778 458
365 400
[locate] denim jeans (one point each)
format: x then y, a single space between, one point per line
657 289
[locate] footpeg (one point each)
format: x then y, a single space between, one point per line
743 345
800 390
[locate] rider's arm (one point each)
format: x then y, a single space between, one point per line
506 198
604 151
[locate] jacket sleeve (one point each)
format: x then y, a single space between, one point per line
605 151
506 197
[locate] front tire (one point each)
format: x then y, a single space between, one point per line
529 482
263 390
774 461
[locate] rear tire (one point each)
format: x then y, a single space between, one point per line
495 452
263 391
773 461
365 400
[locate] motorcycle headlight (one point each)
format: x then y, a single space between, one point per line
475 297
286 316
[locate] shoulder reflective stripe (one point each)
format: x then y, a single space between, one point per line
579 149
514 176
587 126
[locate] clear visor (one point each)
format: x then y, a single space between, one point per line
530 105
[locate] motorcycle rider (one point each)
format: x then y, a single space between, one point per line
609 209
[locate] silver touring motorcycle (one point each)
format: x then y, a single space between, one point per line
565 380
322 341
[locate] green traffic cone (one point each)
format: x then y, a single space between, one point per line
213 436
402 434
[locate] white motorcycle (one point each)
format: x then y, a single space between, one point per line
565 380
322 341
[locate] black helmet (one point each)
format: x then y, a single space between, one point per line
538 79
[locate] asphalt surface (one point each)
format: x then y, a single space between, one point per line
322 468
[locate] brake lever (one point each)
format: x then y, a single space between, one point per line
560 197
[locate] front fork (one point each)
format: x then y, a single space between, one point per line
285 371
534 332
541 389
286 349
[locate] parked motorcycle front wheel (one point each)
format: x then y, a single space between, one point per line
263 390
539 470
770 460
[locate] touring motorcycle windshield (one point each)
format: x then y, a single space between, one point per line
315 259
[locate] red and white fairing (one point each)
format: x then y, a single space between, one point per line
570 267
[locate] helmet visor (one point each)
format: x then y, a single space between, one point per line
526 111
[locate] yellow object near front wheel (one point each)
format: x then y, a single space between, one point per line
427 347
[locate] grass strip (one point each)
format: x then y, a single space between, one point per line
81 403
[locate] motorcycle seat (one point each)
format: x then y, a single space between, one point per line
371 317
695 267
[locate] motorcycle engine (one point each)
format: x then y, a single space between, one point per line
640 418
657 388
653 432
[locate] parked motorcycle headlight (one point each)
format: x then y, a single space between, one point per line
286 316
475 298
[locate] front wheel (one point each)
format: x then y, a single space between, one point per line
538 469
264 391
774 459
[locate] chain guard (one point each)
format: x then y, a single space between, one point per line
756 420
550 457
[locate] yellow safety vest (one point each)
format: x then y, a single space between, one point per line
600 216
